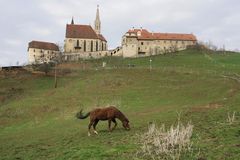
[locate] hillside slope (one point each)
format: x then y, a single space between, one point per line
38 121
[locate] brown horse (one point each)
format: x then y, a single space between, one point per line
109 113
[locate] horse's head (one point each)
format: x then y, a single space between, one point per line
126 124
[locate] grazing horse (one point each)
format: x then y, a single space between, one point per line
109 113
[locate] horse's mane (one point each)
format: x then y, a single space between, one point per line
123 117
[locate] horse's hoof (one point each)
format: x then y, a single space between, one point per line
96 132
89 134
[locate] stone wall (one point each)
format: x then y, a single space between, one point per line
84 55
75 45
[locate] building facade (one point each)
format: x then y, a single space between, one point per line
41 52
141 42
84 41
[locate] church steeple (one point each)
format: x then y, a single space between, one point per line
72 21
97 22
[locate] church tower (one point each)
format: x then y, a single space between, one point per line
97 22
72 21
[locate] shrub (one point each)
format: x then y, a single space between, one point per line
159 143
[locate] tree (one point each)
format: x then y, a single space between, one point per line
45 67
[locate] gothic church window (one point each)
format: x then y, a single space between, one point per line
91 46
96 45
84 46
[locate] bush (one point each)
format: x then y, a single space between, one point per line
43 67
159 143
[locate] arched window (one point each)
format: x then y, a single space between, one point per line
77 43
102 46
91 46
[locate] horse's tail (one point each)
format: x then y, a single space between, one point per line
80 115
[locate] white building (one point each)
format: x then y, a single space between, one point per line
141 42
40 52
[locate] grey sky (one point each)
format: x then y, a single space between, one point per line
45 20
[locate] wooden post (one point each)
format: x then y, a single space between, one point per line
55 75
150 66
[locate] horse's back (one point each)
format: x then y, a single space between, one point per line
104 113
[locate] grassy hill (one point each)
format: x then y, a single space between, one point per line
38 121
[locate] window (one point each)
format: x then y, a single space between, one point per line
164 41
77 43
34 50
84 46
96 45
91 46
102 46
142 43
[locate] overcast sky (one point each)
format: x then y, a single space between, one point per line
45 20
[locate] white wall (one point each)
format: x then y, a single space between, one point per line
40 55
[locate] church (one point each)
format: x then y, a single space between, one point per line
83 41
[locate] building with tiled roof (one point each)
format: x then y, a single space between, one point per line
84 39
141 42
40 52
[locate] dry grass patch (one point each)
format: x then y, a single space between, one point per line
160 143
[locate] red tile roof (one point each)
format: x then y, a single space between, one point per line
82 31
143 34
100 36
43 45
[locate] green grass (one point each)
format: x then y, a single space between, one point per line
38 121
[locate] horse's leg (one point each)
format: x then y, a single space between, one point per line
89 127
115 123
94 126
109 125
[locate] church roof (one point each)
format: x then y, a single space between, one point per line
82 31
143 34
100 36
43 45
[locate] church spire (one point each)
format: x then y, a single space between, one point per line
72 21
97 22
